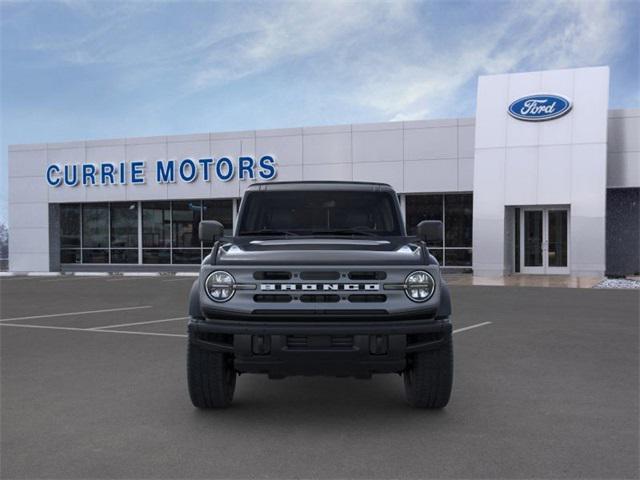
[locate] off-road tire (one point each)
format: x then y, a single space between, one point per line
211 377
428 377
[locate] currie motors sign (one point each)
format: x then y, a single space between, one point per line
540 107
162 171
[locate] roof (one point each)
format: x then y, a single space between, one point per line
320 185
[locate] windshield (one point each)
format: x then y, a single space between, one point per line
346 213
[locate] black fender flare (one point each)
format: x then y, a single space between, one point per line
194 301
444 309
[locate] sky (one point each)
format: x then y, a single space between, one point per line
76 70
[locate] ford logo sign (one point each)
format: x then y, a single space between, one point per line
536 108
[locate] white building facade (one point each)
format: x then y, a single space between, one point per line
545 179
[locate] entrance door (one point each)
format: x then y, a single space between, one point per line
544 242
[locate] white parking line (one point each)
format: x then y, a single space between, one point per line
464 329
75 329
74 313
138 323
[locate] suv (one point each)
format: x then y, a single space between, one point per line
320 278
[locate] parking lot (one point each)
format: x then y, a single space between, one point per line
94 386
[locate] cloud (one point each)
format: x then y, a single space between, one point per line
525 36
397 59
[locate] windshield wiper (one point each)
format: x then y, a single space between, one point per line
345 231
267 231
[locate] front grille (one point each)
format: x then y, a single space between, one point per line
363 298
272 298
272 275
367 275
319 288
312 298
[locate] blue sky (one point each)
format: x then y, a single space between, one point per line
74 70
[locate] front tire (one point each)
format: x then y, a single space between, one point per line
428 377
211 377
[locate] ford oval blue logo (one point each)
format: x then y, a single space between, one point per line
536 108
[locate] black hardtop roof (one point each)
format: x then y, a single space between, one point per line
321 185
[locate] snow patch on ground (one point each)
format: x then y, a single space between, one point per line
618 283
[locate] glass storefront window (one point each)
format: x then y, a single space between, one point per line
220 210
437 252
95 225
186 255
156 224
186 218
423 207
457 257
127 255
458 214
90 255
156 255
455 211
124 225
69 226
70 255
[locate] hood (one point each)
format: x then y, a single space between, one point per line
320 251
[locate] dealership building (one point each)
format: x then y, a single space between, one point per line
544 180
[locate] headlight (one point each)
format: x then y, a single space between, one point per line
220 286
419 286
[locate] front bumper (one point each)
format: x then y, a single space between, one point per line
356 348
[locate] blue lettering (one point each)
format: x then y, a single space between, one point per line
267 168
123 173
165 174
88 174
137 172
106 172
71 180
219 171
206 164
192 169
53 169
246 166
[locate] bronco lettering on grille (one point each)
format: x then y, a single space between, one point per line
369 287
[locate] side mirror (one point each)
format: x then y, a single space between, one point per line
210 230
430 231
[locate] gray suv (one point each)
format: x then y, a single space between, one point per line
320 278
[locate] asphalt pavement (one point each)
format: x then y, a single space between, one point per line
93 385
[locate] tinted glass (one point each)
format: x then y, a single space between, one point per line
436 252
320 213
458 213
532 238
457 257
95 225
186 218
124 225
124 256
423 207
95 256
558 245
156 256
70 256
186 255
156 224
220 210
69 226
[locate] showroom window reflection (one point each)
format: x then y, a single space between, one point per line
99 233
455 211
95 233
